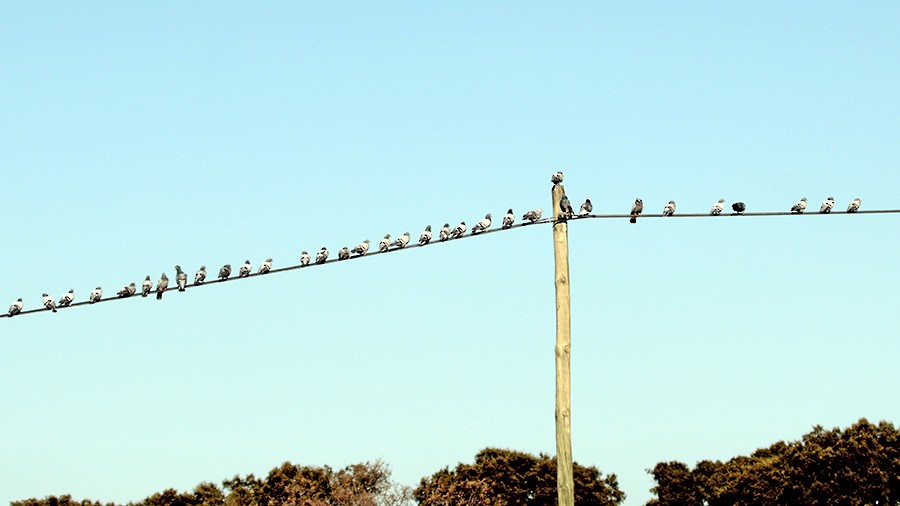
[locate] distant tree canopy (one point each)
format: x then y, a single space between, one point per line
505 477
859 465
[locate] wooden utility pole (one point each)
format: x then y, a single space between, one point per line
565 484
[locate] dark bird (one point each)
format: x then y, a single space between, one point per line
566 207
739 207
161 286
224 272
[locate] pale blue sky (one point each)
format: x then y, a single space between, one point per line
138 136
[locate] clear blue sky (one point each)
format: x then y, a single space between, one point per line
134 137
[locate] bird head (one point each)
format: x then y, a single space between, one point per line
269 260
428 228
638 201
98 288
487 216
45 295
178 269
202 267
147 278
721 201
509 211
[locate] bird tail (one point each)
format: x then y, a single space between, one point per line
633 219
159 295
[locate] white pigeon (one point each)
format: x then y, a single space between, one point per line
482 224
322 255
48 303
245 269
799 207
586 208
827 206
304 258
508 219
96 295
180 278
361 248
669 210
854 206
344 253
556 178
224 272
146 286
717 207
402 241
445 232
459 231
200 277
16 307
161 286
265 266
67 298
385 243
127 291
425 238
532 216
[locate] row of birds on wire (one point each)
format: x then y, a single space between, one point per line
738 207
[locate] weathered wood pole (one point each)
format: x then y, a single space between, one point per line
565 485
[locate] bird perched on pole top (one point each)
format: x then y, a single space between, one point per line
180 278
739 207
636 209
67 298
96 295
556 178
482 224
533 216
16 307
425 237
799 207
48 303
147 285
508 220
854 206
717 208
586 208
827 206
225 272
669 210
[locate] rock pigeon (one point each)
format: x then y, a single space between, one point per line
739 207
344 253
96 295
224 272
482 224
128 291
361 248
827 206
508 220
445 232
200 277
854 206
636 209
322 255
67 298
180 278
385 243
304 258
669 210
532 216
265 266
556 178
459 231
586 208
402 241
147 285
161 286
48 303
799 207
717 208
566 207
16 307
245 269
425 238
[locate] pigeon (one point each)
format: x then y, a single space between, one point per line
161 286
265 266
636 209
361 248
224 272
322 255
147 285
459 231
827 206
717 208
180 278
425 238
385 243
128 291
402 241
96 295
854 206
344 253
566 207
799 207
556 178
445 232
304 258
532 216
16 307
200 277
586 208
739 207
669 210
508 220
245 269
67 298
48 303
482 224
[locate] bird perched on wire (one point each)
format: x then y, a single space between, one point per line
361 248
556 178
161 286
586 208
245 269
799 207
669 210
482 224
444 234
508 220
717 208
304 258
425 236
738 207
67 298
180 278
566 207
402 241
459 231
636 209
854 206
322 255
16 307
265 266
532 216
96 295
827 206
385 243
200 277
48 303
224 272
127 291
344 253
147 285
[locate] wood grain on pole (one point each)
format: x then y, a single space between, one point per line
564 475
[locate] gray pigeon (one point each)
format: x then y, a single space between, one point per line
482 224
799 207
128 291
146 286
200 277
586 208
96 295
361 248
16 307
717 208
827 206
245 269
67 298
445 232
385 243
532 216
508 220
402 241
556 178
48 303
265 266
636 209
566 207
180 278
304 258
669 210
854 206
161 286
322 255
224 272
459 231
425 237
344 253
